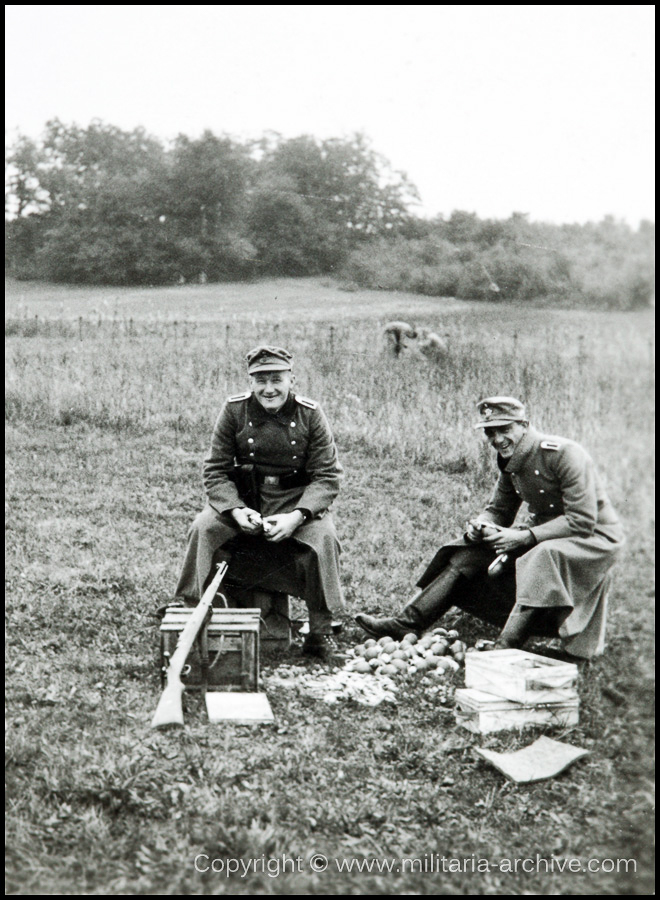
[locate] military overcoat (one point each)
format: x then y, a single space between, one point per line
290 457
577 532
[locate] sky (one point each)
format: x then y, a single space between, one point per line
544 110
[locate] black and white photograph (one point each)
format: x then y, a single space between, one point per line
329 450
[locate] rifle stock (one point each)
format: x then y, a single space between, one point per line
169 710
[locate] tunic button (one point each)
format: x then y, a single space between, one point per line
293 424
294 457
251 454
552 506
250 440
293 442
536 472
541 491
250 424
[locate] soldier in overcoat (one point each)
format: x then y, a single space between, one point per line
560 558
270 477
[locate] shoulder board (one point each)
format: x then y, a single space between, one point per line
305 401
550 445
237 397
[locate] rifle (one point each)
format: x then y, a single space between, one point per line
169 710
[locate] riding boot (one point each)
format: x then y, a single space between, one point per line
517 629
419 614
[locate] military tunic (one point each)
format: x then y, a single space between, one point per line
577 532
291 459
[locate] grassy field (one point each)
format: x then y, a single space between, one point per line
111 396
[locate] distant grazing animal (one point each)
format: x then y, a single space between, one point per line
395 335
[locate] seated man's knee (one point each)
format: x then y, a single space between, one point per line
206 522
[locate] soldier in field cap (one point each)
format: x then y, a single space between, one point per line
270 477
550 574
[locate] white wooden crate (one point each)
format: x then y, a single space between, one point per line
485 713
520 676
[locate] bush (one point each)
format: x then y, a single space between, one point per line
605 265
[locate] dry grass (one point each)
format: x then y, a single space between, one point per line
108 416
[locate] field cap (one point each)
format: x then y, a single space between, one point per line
496 411
269 359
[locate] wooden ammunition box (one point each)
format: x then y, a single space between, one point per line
484 713
226 654
522 677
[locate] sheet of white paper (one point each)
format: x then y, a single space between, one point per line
544 758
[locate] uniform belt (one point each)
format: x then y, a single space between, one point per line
288 480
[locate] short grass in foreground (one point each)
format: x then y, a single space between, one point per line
104 443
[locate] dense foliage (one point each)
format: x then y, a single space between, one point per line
99 205
602 265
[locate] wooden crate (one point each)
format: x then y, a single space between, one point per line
484 713
523 677
226 654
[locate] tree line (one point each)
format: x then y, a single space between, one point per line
97 204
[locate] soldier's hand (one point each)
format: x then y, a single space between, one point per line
278 528
248 520
473 531
507 539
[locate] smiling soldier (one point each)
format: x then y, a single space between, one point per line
563 552
270 477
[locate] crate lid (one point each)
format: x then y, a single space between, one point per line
239 708
516 659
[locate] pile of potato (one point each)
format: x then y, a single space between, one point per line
435 654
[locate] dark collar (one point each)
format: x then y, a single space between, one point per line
520 454
259 415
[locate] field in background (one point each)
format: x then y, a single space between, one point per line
110 400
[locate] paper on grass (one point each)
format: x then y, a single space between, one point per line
544 758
